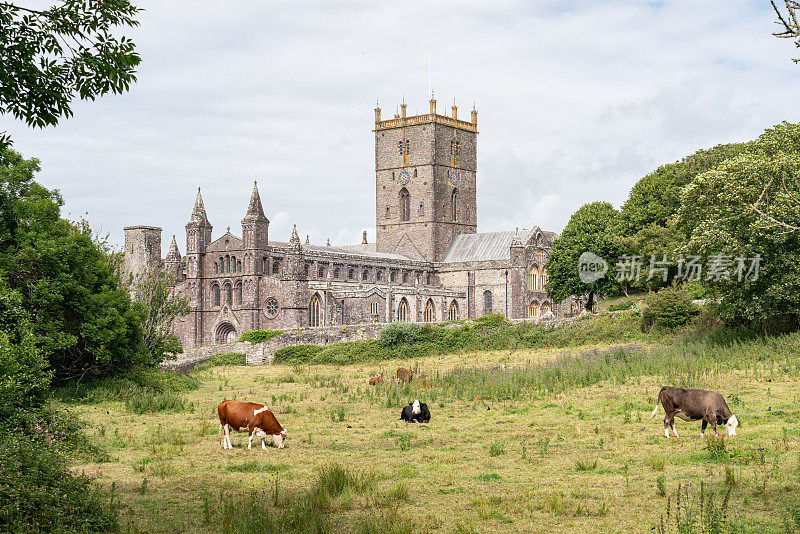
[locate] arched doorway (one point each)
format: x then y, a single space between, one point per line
545 307
226 333
315 311
533 310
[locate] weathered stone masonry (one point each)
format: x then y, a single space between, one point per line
428 263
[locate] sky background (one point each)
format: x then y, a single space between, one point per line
576 101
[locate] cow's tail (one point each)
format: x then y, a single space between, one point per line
658 401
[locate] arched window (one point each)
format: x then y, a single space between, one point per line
276 267
216 295
227 264
543 280
216 268
379 275
351 274
429 312
373 308
387 212
336 273
487 302
228 294
428 279
405 278
239 266
239 294
454 203
392 277
533 278
402 310
365 275
306 268
315 311
233 264
452 315
545 307
405 205
321 273
533 310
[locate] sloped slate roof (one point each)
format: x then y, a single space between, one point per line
488 246
481 247
346 250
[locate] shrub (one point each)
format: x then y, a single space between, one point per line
620 306
228 358
153 402
402 333
39 494
296 354
259 336
667 308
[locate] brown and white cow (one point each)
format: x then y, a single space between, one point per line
375 380
252 417
404 375
694 405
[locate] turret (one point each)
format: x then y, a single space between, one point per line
198 229
517 250
295 264
255 230
173 264
142 249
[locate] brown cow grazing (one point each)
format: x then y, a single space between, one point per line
257 419
404 375
375 380
694 405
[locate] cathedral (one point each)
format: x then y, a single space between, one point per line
428 263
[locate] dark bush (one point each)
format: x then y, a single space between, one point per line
667 308
402 332
259 336
39 494
296 354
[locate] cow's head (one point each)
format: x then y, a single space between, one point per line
280 439
731 424
415 407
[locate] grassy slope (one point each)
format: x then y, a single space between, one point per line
484 466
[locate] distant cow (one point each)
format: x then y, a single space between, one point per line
375 380
693 405
254 418
404 375
416 412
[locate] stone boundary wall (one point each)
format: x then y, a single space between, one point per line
262 353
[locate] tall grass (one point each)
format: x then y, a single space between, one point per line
683 364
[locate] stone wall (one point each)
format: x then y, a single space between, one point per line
262 353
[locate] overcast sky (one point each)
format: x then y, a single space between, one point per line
576 100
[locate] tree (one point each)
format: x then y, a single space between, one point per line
646 224
155 290
588 230
83 318
787 20
24 377
70 49
716 213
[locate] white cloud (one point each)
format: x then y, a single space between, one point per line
576 100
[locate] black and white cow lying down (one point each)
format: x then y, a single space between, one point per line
416 412
694 405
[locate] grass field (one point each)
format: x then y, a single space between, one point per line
504 452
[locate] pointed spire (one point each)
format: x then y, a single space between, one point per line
294 241
255 212
364 238
329 242
173 254
199 210
308 242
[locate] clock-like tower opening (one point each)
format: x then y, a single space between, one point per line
424 160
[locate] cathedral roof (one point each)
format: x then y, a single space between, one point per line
227 241
491 245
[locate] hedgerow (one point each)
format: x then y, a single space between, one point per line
259 336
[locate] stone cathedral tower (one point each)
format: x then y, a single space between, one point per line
425 169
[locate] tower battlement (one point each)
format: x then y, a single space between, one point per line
402 119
